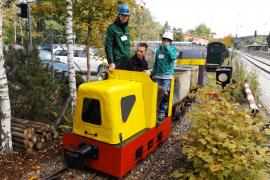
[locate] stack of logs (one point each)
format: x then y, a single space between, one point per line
27 134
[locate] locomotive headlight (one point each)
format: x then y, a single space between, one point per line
223 75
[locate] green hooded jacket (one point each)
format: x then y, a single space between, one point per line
117 44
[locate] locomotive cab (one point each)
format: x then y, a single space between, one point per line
110 111
114 124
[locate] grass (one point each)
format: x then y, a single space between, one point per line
242 76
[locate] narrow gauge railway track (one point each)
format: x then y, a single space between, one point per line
59 173
156 155
261 54
184 108
56 174
264 66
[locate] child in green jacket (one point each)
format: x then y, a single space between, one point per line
164 70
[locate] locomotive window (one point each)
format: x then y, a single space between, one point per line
91 111
215 49
127 104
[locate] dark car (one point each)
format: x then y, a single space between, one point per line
60 69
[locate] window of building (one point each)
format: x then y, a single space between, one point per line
91 111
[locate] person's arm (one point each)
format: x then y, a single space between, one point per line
171 52
145 65
155 64
109 45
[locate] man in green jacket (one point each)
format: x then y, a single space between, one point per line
117 43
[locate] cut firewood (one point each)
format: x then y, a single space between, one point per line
43 128
40 124
14 124
19 140
17 149
28 134
20 121
34 138
40 138
20 130
30 144
19 145
18 134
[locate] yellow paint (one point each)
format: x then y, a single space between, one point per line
191 61
171 98
109 93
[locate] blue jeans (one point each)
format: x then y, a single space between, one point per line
166 84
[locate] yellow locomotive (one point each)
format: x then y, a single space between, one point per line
114 124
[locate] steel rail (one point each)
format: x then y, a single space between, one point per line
265 70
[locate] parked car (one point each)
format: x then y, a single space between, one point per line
47 46
60 68
97 64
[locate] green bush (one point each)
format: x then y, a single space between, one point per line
225 141
241 75
33 93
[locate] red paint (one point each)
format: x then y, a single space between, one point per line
117 160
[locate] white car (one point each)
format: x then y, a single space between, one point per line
97 64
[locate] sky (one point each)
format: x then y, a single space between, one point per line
241 17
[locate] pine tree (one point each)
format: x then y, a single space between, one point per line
33 93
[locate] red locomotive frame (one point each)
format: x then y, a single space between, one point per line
116 160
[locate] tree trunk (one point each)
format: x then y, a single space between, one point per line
71 70
88 58
5 113
88 39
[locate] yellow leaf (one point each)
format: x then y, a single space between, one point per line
203 174
32 178
202 141
203 131
177 174
214 167
267 131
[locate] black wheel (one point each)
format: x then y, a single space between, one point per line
102 68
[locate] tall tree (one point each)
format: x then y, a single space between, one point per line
92 23
202 30
70 54
143 25
5 113
48 15
10 24
178 34
228 41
